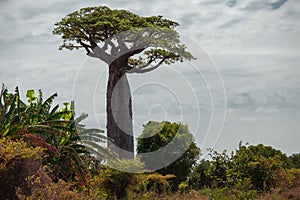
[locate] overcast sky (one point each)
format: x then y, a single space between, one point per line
247 67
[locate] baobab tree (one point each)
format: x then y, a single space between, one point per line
127 43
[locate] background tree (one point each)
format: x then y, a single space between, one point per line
219 168
263 165
199 177
127 43
157 135
250 168
295 160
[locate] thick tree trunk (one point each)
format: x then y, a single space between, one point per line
119 111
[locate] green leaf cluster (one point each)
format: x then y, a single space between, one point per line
120 33
101 23
250 168
157 135
66 141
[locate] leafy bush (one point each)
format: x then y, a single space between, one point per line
295 177
23 177
263 165
200 176
17 162
43 188
156 135
295 160
115 184
158 183
66 141
246 170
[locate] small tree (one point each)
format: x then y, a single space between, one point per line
157 135
263 165
200 177
127 43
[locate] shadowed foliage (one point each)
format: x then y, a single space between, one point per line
156 136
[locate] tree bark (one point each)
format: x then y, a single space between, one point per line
119 110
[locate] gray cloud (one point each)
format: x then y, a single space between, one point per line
264 4
278 4
266 102
231 3
209 2
255 46
243 100
188 19
230 23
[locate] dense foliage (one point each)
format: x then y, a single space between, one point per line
251 168
42 156
156 136
93 26
295 160
67 143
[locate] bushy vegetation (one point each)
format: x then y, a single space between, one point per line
46 153
295 160
156 136
247 173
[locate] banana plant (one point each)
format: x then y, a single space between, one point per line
66 141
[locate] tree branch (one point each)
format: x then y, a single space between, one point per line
148 63
114 49
86 46
122 44
141 70
144 66
102 55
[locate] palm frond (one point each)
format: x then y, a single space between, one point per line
48 103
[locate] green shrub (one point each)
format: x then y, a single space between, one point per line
159 183
249 168
157 135
43 188
17 162
295 160
24 177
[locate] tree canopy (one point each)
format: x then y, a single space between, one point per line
156 136
109 34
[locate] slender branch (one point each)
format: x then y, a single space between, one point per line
91 54
114 49
97 52
83 31
146 65
105 46
92 41
86 46
139 71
